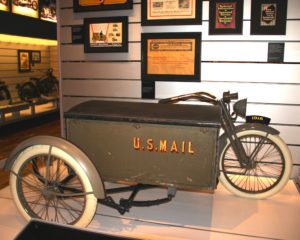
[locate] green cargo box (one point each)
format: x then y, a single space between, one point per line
149 143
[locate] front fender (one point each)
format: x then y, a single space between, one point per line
248 126
85 163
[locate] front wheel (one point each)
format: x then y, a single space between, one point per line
265 174
48 183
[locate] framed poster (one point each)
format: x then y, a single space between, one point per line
268 17
35 56
48 10
172 12
109 34
24 60
4 5
171 56
101 5
226 17
26 8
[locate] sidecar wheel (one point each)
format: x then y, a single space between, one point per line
48 183
265 175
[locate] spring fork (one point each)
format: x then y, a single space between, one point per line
229 129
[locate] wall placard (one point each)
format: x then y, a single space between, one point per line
276 52
101 5
109 34
226 17
171 56
174 12
77 34
268 17
35 57
24 61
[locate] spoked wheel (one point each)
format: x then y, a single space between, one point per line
28 92
5 94
265 174
47 183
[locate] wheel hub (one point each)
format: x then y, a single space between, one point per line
50 191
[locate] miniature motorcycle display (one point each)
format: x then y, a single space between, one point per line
146 145
26 3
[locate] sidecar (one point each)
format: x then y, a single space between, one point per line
141 145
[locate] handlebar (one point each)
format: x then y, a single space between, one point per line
201 96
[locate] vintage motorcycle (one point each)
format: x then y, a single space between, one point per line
146 145
36 88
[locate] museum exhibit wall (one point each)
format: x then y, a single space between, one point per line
9 64
228 62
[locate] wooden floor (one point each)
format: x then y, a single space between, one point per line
10 140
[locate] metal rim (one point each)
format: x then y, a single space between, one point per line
263 173
49 189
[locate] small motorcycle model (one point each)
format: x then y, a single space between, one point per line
146 145
36 88
27 3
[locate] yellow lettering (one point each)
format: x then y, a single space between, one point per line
150 145
136 143
190 150
174 147
163 145
183 147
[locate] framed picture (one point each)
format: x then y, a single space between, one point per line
24 61
268 17
35 56
226 17
26 8
171 56
109 34
173 12
4 5
101 5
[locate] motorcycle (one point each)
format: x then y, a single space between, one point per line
146 145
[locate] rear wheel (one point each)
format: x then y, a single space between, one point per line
48 183
266 173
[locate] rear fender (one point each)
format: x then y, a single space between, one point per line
85 163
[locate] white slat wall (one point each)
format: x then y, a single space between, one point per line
229 62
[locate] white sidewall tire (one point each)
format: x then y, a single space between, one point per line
286 175
91 200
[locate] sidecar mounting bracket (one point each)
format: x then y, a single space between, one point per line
124 205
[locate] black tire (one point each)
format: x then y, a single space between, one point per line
5 94
266 174
49 184
28 92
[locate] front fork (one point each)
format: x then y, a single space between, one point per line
230 131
